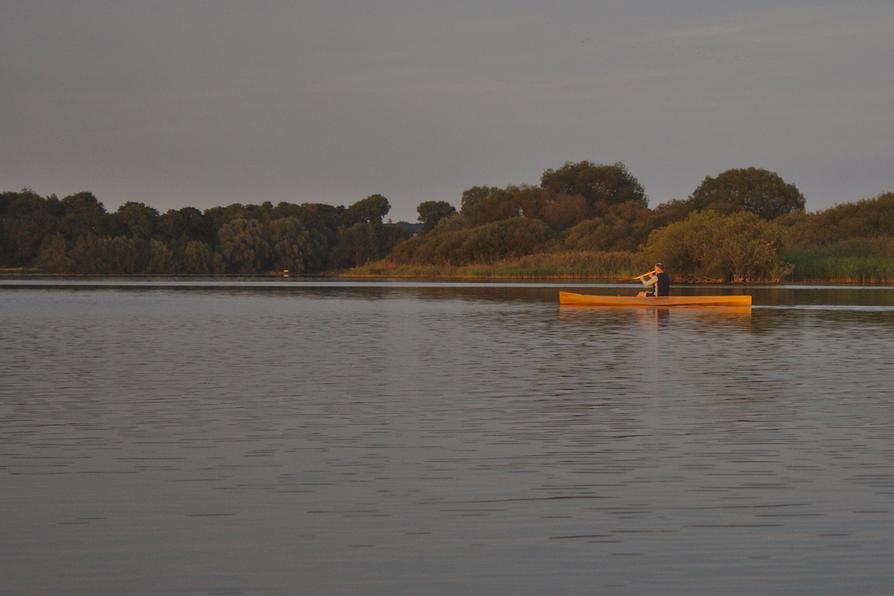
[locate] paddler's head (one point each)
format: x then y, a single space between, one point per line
659 267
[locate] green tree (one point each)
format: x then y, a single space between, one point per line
86 254
84 214
867 218
197 258
565 211
499 204
161 258
20 239
595 234
432 212
136 219
244 246
506 238
107 254
290 244
754 190
182 225
671 211
625 227
739 247
26 219
601 185
225 214
473 196
388 236
356 245
323 223
122 254
53 256
372 209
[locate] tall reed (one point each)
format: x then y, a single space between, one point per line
819 268
560 265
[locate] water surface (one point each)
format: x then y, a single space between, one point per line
407 438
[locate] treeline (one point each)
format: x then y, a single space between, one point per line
76 234
742 225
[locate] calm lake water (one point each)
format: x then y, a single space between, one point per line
407 438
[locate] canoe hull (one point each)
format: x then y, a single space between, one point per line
572 299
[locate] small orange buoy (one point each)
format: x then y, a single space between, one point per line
285 272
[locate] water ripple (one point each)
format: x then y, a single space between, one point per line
442 439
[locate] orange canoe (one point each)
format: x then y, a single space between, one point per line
571 299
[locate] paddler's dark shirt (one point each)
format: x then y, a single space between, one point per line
663 287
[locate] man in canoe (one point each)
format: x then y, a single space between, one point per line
657 280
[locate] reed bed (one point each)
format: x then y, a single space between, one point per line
621 266
606 266
845 269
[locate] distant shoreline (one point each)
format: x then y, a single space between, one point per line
445 277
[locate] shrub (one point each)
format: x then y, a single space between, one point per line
708 246
508 238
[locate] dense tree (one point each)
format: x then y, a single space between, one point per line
720 232
601 185
707 245
372 209
356 245
364 242
197 258
26 203
754 190
20 240
497 205
224 215
388 236
867 218
183 225
86 254
122 254
26 219
596 234
77 235
564 211
624 226
290 244
244 246
84 214
432 212
136 220
670 211
323 222
53 255
473 196
161 258
108 254
532 201
493 241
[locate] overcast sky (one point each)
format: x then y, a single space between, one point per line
212 102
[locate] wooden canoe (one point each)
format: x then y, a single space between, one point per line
571 299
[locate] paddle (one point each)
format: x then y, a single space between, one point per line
644 274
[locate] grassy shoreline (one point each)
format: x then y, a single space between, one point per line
600 266
620 267
456 276
846 269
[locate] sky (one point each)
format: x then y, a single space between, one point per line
205 103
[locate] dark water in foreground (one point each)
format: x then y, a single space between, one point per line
427 439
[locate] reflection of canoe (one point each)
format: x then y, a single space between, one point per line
570 299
